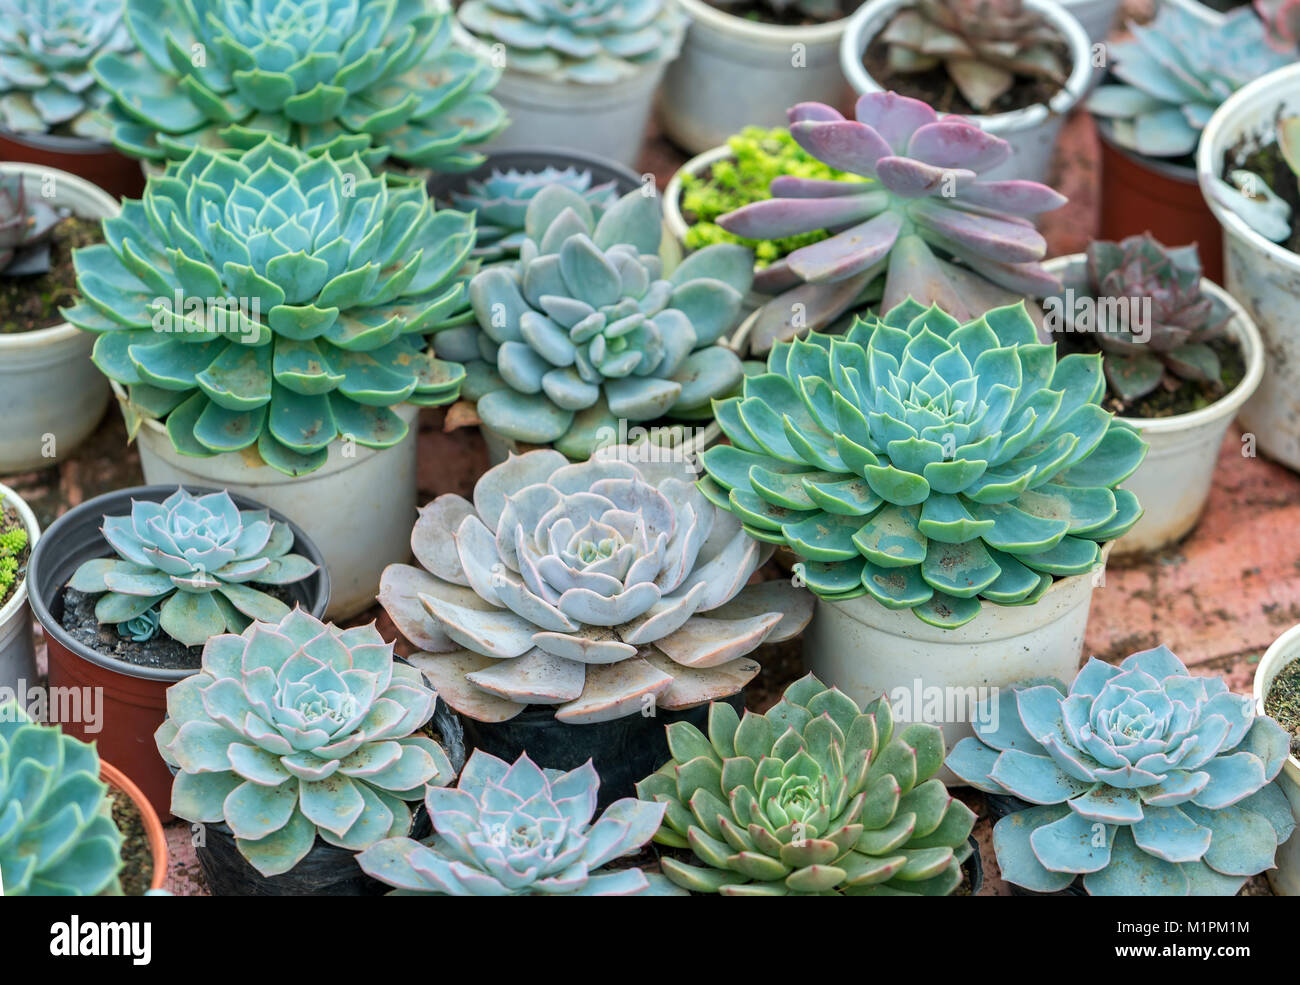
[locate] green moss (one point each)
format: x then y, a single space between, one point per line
13 543
759 156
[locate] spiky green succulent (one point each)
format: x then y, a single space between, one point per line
57 836
519 830
927 463
340 77
815 797
500 203
593 42
297 729
276 300
982 45
46 47
585 331
192 560
1175 72
26 226
1154 321
13 541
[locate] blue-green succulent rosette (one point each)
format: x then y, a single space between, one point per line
928 464
1144 781
274 301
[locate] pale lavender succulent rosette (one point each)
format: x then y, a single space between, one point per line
1145 780
595 588
930 204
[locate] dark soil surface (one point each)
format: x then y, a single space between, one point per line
937 89
792 16
75 612
1267 162
137 856
1188 396
28 304
1283 702
9 520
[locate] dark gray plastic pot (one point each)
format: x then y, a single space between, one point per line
624 750
327 870
535 159
134 698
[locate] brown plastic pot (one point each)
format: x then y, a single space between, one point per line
99 163
132 699
153 829
1140 194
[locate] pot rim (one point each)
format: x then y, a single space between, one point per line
1210 151
674 221
1282 651
58 143
153 829
100 201
14 607
780 34
1247 336
55 631
870 17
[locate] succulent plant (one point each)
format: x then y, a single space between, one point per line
192 560
1145 780
26 225
1282 18
926 463
296 729
519 830
815 797
1175 73
13 542
593 42
46 47
983 45
58 837
594 587
378 78
585 331
927 195
1160 288
273 299
1250 196
794 11
500 203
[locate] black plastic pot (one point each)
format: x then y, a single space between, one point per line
134 697
535 159
974 866
327 870
1000 805
623 750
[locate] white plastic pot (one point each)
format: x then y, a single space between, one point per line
867 650
734 73
357 508
17 650
1285 879
1032 132
1173 481
51 395
608 120
1263 276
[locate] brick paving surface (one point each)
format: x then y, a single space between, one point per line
1218 599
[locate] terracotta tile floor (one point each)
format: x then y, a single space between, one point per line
1218 599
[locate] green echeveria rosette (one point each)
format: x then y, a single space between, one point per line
815 797
45 51
585 330
187 565
57 836
928 464
276 300
1146 781
380 78
299 729
590 42
520 830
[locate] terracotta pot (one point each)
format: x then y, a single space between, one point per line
153 829
132 699
1141 195
99 163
